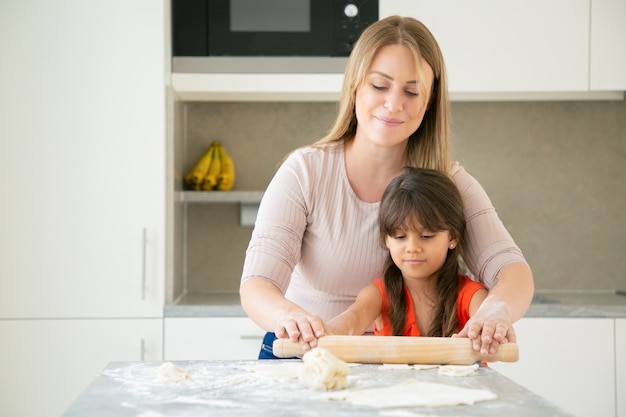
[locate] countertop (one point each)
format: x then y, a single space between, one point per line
546 303
246 388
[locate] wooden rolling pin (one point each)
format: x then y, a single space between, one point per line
401 349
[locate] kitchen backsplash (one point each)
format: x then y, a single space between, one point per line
555 171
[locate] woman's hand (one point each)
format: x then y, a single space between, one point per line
507 302
266 305
302 328
490 327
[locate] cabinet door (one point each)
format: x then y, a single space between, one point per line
193 338
507 46
568 361
48 363
620 366
82 122
608 53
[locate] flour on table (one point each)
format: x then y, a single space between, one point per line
168 372
286 370
323 370
413 394
458 370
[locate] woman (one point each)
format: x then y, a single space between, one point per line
315 242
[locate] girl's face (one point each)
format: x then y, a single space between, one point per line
418 253
388 104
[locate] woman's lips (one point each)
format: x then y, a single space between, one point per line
389 121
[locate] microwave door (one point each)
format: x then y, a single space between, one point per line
270 28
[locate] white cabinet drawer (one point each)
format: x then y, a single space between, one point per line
202 338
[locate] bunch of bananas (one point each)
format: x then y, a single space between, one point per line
215 170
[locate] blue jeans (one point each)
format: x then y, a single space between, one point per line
267 351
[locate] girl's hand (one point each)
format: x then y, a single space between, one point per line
490 327
302 328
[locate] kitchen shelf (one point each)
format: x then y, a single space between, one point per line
248 201
244 197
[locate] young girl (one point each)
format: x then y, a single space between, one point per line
422 292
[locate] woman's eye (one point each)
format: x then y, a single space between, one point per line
379 87
411 93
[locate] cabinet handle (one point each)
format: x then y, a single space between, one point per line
251 337
143 263
142 349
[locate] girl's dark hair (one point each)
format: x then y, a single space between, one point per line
431 198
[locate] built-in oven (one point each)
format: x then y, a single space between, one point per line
272 28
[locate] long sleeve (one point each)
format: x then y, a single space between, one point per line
489 246
313 238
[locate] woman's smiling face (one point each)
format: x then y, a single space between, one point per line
389 104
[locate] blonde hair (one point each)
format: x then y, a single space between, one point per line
428 145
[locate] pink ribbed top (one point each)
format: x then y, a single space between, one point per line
319 243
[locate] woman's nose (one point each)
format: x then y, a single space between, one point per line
393 102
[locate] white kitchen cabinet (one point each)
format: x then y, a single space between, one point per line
82 121
494 50
82 248
608 53
507 46
208 338
46 364
620 366
568 361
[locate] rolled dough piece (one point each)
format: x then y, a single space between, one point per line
423 367
168 372
322 370
458 370
414 394
392 366
406 366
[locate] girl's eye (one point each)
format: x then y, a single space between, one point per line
428 236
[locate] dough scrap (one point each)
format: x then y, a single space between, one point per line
322 370
458 370
414 394
168 372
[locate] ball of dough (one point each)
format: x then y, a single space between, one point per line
168 372
324 371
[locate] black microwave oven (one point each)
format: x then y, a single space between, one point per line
270 28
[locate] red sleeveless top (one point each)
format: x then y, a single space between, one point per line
466 292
